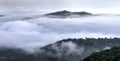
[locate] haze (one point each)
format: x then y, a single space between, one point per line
38 6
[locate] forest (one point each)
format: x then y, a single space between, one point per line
88 49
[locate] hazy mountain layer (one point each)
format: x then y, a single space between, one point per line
67 14
64 50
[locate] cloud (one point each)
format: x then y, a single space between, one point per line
19 26
89 24
34 33
67 48
95 6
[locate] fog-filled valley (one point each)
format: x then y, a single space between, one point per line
43 30
45 38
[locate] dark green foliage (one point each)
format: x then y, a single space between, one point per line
107 55
50 53
90 45
15 54
96 42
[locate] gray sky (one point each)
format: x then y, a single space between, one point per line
95 6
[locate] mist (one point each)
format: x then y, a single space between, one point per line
36 33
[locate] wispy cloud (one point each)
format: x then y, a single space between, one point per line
101 6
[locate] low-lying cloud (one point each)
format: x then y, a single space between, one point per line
39 32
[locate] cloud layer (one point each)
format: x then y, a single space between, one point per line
39 32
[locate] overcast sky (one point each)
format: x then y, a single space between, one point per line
95 6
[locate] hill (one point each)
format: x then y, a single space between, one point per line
63 50
112 54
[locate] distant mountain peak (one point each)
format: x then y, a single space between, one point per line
65 14
65 11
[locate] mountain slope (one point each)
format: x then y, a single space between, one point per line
107 55
64 50
75 49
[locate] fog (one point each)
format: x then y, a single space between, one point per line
34 33
67 48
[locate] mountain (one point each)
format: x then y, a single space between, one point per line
15 54
112 54
76 49
65 14
63 50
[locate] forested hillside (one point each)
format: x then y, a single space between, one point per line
112 54
64 50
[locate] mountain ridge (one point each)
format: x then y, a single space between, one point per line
66 14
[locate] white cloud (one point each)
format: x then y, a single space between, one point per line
40 32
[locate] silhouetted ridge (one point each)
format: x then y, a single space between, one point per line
65 14
81 13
